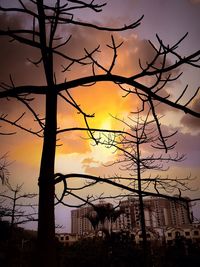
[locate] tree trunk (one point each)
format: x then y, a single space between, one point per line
46 222
46 216
141 206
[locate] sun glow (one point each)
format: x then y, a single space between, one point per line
105 101
106 124
102 153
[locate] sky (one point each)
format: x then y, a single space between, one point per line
170 20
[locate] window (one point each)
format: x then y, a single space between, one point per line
196 232
187 233
169 234
132 236
177 234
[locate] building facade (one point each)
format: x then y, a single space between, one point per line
67 239
159 212
79 223
189 233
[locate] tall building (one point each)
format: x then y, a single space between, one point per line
180 213
159 212
79 223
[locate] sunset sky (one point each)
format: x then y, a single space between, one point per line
170 20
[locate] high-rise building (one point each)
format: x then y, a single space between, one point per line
180 213
159 212
79 223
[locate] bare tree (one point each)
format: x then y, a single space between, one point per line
135 161
44 36
15 208
4 172
93 218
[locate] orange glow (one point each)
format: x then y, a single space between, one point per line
104 99
28 152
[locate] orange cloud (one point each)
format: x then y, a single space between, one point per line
103 99
27 152
73 142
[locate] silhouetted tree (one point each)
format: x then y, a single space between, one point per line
44 36
134 159
15 208
93 218
102 213
4 172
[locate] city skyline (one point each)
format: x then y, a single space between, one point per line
159 213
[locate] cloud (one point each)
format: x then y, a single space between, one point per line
189 121
15 66
187 144
67 163
89 162
73 143
127 64
101 99
194 2
14 56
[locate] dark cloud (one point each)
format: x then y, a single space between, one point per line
14 55
16 67
11 21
